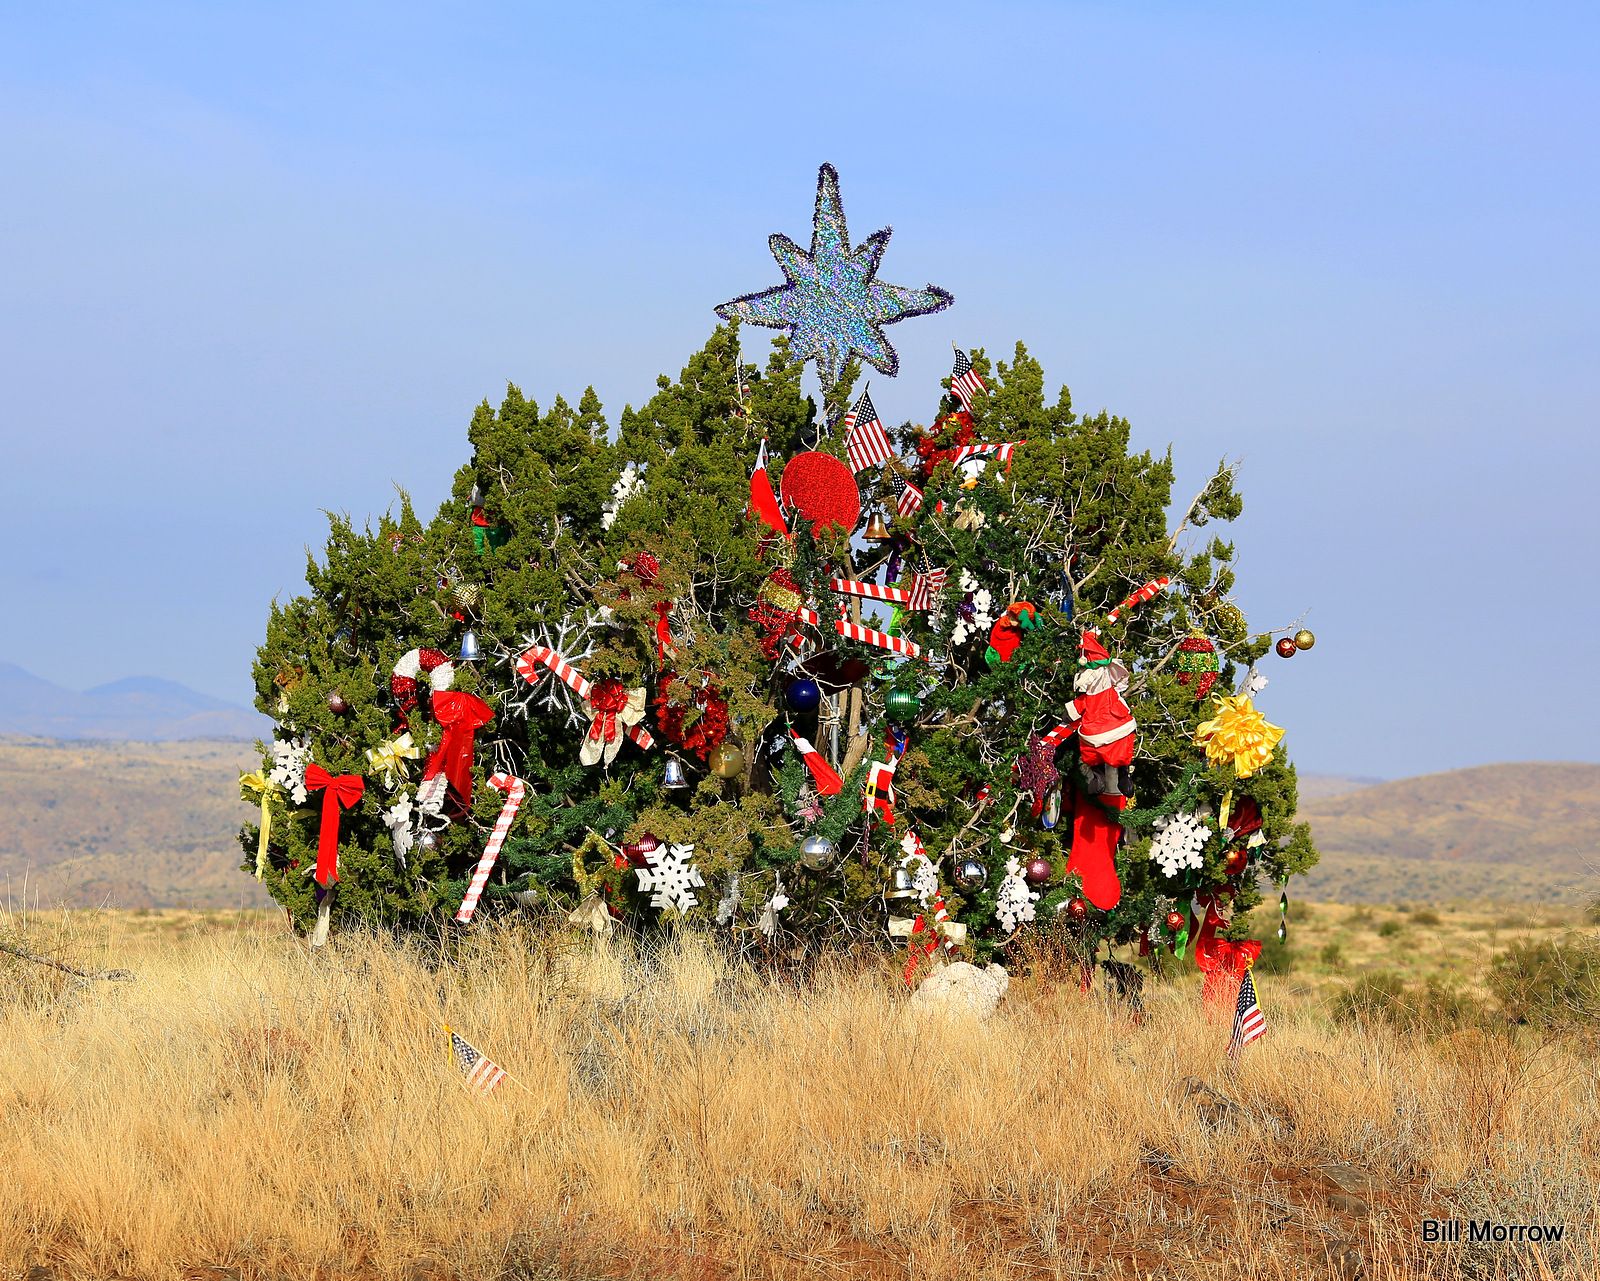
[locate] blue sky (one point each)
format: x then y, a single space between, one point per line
260 261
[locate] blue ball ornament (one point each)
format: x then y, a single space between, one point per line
803 695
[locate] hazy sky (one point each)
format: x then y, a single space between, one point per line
259 261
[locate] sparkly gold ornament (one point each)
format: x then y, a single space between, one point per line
1304 639
727 760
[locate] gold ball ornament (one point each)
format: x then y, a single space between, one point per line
727 760
1304 639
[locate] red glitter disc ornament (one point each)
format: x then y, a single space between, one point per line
1287 647
1077 909
823 490
1174 921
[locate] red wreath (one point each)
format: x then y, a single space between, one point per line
696 723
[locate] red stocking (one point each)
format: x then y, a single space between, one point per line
1094 846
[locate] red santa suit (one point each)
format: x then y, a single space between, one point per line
1105 725
1106 740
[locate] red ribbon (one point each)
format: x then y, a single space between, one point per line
608 697
460 714
343 791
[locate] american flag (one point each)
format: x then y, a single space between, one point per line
908 498
865 441
925 588
482 1073
964 381
1248 1020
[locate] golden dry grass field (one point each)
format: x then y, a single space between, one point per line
246 1109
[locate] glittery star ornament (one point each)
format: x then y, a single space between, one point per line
830 301
1036 772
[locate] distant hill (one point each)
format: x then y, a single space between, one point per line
154 825
1512 833
86 824
139 709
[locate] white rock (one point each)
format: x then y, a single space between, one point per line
962 989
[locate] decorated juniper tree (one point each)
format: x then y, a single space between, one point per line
772 668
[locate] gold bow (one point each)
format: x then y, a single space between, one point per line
1239 735
259 782
390 759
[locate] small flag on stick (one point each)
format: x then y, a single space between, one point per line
865 442
482 1073
964 381
1248 1020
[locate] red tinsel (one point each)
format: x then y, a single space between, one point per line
696 722
940 444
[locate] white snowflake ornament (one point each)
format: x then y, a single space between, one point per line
289 760
1013 902
671 878
627 486
1179 841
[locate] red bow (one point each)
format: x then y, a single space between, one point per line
460 714
343 791
607 697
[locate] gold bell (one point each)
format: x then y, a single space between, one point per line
876 531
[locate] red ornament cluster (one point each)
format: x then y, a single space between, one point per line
697 723
940 444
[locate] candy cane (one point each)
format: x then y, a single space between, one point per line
537 656
1002 451
1153 588
857 587
870 636
515 789
1059 735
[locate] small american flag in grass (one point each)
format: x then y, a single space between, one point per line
1248 1020
964 381
482 1073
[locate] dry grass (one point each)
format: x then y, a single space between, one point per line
247 1110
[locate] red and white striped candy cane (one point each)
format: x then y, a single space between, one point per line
941 916
859 587
532 658
536 657
870 636
1153 588
515 789
1002 451
1059 735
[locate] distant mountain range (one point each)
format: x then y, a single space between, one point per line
141 709
141 824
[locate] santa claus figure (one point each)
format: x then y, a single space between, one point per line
1104 724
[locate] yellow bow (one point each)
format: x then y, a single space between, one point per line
391 758
258 782
1238 734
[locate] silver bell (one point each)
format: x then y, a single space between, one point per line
675 776
469 646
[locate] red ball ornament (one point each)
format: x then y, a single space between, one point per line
1235 861
1077 909
1174 922
1286 647
1038 871
823 490
638 854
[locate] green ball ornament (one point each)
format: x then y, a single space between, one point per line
903 706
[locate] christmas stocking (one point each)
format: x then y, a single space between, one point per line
1095 834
